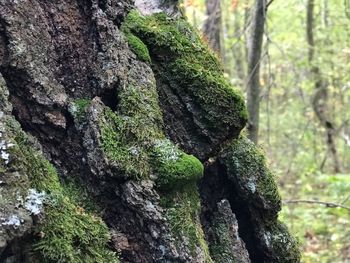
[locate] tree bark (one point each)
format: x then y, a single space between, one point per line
120 143
253 76
238 48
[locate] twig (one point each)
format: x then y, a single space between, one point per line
327 204
268 4
345 200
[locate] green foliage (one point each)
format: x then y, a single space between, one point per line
174 168
323 231
289 130
182 212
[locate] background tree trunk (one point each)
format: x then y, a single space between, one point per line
238 49
255 41
320 96
213 28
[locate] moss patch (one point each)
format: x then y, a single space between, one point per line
182 212
190 67
120 142
68 233
285 248
221 249
174 168
137 46
246 166
128 134
78 107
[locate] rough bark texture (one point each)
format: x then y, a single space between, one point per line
100 111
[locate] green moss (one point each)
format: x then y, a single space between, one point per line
190 67
78 107
128 134
68 233
137 46
221 250
210 90
42 175
120 142
246 166
286 249
79 196
174 168
139 105
72 235
182 212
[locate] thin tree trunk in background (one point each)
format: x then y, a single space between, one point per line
255 41
238 52
246 25
320 96
213 26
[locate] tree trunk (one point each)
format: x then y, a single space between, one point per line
320 96
213 28
254 58
117 145
238 48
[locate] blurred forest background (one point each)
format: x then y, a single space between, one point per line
304 96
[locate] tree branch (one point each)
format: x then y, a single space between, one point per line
268 4
327 204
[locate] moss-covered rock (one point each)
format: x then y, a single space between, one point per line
255 186
226 246
77 108
128 134
279 245
246 167
67 233
185 64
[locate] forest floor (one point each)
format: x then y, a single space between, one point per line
323 232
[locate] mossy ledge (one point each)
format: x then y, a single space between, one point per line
183 62
255 186
247 168
139 156
132 138
137 46
67 232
